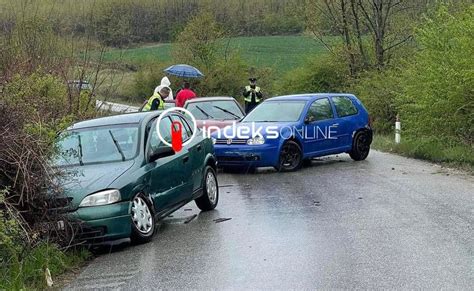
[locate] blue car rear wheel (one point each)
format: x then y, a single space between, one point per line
360 146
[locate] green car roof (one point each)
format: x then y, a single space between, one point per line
127 118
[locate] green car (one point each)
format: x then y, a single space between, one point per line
121 177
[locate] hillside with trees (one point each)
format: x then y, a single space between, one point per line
123 22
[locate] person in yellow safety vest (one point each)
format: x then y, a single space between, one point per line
156 102
252 95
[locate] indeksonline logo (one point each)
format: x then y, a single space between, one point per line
254 132
249 130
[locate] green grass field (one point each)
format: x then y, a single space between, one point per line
282 53
140 55
279 52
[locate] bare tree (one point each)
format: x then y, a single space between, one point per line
327 17
347 36
388 23
378 16
358 32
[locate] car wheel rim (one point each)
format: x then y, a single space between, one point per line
290 156
141 215
211 187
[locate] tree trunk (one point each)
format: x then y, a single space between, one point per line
379 33
376 23
359 35
379 52
347 38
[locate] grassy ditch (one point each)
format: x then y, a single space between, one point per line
459 156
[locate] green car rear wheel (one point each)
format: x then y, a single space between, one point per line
210 197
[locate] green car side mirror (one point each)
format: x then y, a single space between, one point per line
161 152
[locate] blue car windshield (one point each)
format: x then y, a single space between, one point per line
97 145
276 111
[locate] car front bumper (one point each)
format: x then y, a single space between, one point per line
103 224
246 156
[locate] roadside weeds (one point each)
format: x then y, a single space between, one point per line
459 157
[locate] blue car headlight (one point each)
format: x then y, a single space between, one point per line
101 198
258 140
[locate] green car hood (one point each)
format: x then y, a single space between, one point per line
80 181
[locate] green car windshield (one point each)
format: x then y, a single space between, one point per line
276 111
97 145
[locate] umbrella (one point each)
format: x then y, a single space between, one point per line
184 71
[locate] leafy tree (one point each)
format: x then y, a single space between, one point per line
437 97
113 23
224 78
37 93
378 91
324 74
198 43
202 44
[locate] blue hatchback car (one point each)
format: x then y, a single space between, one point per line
285 131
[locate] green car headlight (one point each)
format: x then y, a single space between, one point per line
101 198
256 141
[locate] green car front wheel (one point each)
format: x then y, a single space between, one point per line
143 219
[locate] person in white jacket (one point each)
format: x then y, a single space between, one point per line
165 82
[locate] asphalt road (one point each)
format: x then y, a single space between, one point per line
387 222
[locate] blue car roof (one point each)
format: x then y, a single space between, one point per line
127 118
306 97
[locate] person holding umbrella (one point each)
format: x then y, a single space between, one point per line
252 95
184 94
184 71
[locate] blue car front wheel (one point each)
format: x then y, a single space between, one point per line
291 157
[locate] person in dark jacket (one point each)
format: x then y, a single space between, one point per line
252 95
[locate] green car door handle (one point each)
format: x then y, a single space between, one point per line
185 159
199 148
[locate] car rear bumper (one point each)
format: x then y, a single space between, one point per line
245 156
103 224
